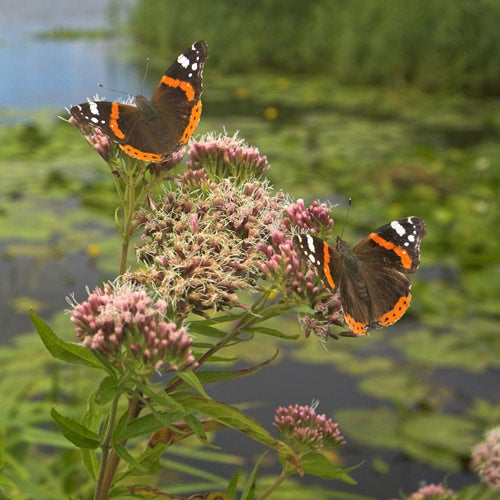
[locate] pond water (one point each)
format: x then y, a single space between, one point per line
40 73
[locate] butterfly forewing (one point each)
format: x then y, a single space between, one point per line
322 256
179 93
395 245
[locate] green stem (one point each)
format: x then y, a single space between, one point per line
106 446
123 260
248 319
128 199
111 459
273 486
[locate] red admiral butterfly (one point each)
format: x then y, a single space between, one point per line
153 129
371 278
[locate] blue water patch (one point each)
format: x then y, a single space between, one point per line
39 73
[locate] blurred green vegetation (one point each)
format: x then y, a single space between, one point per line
434 45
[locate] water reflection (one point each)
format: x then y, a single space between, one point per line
55 73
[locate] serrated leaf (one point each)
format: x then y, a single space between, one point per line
75 432
59 349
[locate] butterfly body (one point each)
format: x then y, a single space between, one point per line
371 278
153 129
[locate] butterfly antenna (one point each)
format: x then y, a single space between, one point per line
146 69
112 90
346 217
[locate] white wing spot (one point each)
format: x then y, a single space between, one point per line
93 108
183 61
411 237
94 120
310 244
398 228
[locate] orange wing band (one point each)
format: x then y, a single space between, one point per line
400 252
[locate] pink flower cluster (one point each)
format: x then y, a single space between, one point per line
284 267
122 322
200 246
304 430
486 459
222 156
96 138
433 492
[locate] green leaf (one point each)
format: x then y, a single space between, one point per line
90 463
191 379
196 427
108 389
248 492
232 487
319 465
147 463
209 376
125 455
147 425
121 423
477 492
65 351
232 417
201 328
270 331
160 397
75 432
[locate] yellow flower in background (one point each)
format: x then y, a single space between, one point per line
271 113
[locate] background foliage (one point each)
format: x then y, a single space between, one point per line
434 45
